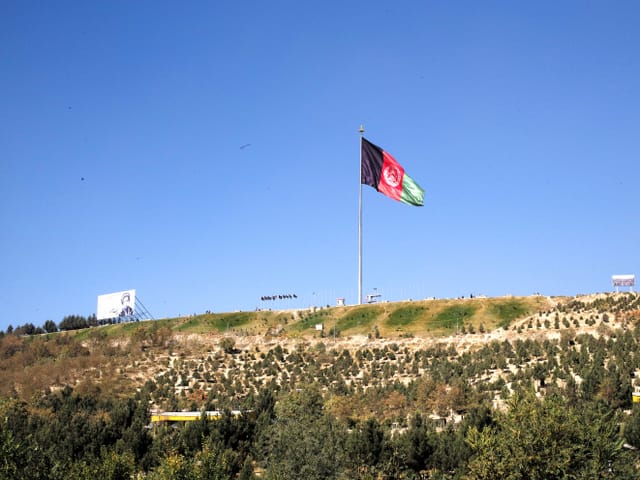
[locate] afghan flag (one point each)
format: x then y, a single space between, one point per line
386 175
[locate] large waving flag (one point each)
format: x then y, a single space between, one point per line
381 171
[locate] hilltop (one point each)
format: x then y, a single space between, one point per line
422 318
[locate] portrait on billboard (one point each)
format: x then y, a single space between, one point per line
125 303
116 305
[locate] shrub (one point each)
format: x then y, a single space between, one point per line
228 345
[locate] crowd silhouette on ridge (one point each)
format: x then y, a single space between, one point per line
265 298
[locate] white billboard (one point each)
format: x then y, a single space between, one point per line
118 304
623 280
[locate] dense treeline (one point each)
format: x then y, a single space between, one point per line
531 407
70 435
69 322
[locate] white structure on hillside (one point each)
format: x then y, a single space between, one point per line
623 281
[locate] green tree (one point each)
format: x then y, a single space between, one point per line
21 458
116 466
416 445
193 435
365 444
50 326
632 427
215 463
73 322
134 436
173 467
10 448
303 442
26 329
548 439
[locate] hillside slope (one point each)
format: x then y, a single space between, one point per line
187 357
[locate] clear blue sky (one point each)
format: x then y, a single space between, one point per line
520 120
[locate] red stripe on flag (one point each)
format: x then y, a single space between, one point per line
391 177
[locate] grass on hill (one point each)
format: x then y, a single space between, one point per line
427 317
219 322
309 320
404 316
508 310
452 317
359 319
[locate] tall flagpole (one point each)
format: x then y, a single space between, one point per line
360 224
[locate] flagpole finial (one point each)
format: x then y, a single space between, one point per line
361 129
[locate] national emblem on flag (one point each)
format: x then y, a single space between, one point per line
381 171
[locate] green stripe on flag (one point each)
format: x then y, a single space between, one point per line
412 193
